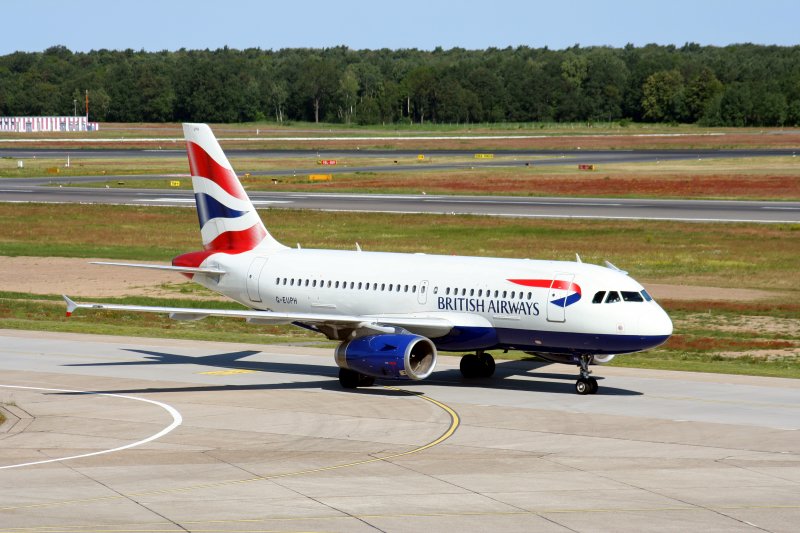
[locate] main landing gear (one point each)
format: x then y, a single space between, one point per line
586 384
477 365
350 379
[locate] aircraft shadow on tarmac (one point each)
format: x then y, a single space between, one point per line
502 379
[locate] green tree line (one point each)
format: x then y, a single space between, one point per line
737 85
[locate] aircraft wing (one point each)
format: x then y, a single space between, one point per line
428 326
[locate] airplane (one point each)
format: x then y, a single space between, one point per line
394 312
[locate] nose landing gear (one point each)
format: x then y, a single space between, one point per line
586 384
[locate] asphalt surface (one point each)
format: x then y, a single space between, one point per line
47 189
511 206
164 435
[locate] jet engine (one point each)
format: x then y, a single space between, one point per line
389 356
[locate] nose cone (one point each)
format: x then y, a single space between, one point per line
655 325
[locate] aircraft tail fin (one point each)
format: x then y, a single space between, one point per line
228 220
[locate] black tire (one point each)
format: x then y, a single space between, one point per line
365 380
349 379
593 386
487 365
582 386
470 366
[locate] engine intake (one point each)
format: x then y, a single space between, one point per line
390 356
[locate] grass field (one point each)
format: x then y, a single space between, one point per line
737 255
754 337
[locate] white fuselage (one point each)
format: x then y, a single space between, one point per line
495 303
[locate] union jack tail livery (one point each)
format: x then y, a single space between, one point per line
228 221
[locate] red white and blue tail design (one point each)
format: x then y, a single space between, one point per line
228 221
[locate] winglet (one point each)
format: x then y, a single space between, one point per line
71 306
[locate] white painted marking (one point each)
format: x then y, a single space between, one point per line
177 420
523 202
782 208
13 190
581 217
191 201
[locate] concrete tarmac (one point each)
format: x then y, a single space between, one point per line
203 436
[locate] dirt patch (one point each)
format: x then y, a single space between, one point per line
661 291
77 277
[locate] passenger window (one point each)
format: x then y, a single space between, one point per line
495 294
631 296
447 291
314 283
435 291
284 281
353 284
613 297
598 297
480 293
647 297
383 286
413 288
504 294
512 295
422 289
463 292
472 292
529 296
277 281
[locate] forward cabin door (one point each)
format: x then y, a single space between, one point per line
253 276
422 295
560 288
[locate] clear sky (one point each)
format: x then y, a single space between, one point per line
83 25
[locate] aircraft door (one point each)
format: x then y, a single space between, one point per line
253 276
560 288
422 295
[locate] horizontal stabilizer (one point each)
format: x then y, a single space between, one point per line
181 269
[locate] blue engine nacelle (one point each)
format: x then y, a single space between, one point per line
389 356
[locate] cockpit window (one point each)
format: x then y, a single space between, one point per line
598 297
613 296
647 297
631 296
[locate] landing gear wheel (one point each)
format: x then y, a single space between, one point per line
470 366
487 364
477 365
350 379
585 384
